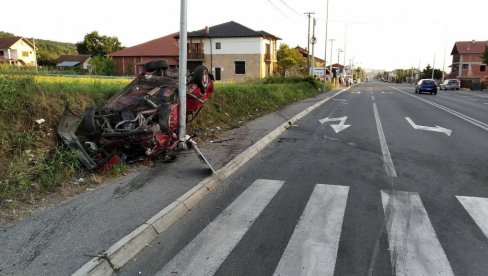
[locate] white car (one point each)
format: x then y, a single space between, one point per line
450 84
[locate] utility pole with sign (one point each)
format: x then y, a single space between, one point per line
313 40
308 42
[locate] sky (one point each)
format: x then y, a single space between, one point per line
373 34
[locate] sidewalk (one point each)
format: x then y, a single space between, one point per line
67 237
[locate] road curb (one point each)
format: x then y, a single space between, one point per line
129 246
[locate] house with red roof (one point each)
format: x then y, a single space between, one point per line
129 61
467 62
17 50
231 51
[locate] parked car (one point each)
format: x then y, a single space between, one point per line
450 84
426 85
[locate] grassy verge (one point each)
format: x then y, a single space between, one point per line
33 162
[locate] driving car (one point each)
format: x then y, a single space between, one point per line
426 85
450 84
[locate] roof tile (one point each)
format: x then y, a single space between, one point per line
163 46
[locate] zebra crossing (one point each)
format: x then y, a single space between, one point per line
312 249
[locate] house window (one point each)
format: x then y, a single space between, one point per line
218 46
482 68
240 67
25 54
465 66
2 53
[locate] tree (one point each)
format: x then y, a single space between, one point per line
102 66
290 60
427 73
49 51
358 73
97 45
5 34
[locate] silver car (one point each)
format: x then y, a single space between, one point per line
450 84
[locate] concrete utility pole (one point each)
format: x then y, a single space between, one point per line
182 76
433 66
345 42
331 43
325 50
35 53
308 42
338 55
313 41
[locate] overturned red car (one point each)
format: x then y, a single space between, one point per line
139 122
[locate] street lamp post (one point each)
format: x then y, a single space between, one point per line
325 50
182 74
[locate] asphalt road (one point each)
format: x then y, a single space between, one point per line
377 181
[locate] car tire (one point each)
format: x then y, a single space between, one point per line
90 125
201 77
155 65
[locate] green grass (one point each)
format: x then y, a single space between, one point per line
34 162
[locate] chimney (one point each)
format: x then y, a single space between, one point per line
207 30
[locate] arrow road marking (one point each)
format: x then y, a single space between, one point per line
339 127
436 128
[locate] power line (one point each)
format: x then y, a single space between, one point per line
293 10
278 9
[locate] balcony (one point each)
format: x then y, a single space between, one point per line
195 56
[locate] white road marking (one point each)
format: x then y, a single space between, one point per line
339 127
414 247
477 209
206 252
312 249
389 167
435 129
468 119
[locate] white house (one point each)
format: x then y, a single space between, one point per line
233 52
17 51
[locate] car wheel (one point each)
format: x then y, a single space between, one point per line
90 124
201 78
155 65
